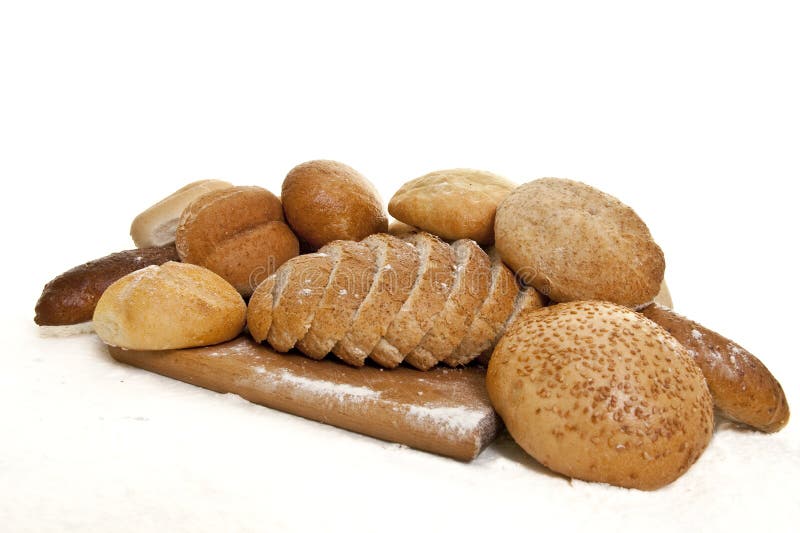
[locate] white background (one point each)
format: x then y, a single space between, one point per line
688 112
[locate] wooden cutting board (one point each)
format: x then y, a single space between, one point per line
444 411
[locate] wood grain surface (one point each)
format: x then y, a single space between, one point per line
444 411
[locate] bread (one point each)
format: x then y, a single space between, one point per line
743 388
573 242
298 288
71 297
401 229
492 315
326 201
347 287
664 297
467 293
396 266
454 204
175 305
382 298
527 299
156 225
427 297
238 233
594 391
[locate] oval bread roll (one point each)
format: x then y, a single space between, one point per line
454 204
238 233
743 389
172 306
595 391
156 225
573 242
327 201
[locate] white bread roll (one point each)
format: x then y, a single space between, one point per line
155 226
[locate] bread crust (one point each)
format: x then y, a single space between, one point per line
350 281
573 242
492 315
326 201
742 387
527 299
469 290
71 297
595 391
175 305
454 204
427 298
396 270
156 225
299 286
238 233
259 310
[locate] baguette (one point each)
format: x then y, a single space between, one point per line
743 389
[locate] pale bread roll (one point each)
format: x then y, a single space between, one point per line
175 305
156 225
595 391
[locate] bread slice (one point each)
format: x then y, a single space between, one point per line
427 297
349 284
299 286
396 266
259 310
527 298
467 293
492 316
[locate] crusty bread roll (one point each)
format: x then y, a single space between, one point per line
156 225
454 204
384 298
595 391
467 293
327 201
71 297
238 233
743 389
175 305
573 242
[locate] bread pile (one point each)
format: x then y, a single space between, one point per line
591 373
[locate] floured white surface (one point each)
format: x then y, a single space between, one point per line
91 444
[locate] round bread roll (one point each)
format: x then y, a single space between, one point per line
595 391
454 204
238 233
573 242
175 305
326 201
156 225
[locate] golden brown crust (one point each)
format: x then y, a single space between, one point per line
594 391
491 317
743 389
526 299
326 201
401 229
175 305
71 297
156 225
238 233
396 266
469 290
349 284
573 242
454 204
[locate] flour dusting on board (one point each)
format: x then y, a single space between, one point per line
458 420
323 388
